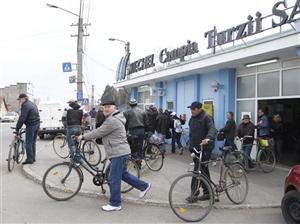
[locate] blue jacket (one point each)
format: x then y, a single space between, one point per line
263 126
29 115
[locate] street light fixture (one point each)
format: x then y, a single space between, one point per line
57 7
127 44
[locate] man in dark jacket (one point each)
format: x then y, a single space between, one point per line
246 128
135 124
151 115
263 125
100 118
93 114
202 131
31 118
72 116
162 128
229 130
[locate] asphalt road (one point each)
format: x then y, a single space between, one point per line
23 201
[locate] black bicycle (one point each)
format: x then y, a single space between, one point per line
184 195
154 158
63 181
16 150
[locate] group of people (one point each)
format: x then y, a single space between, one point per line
113 128
246 130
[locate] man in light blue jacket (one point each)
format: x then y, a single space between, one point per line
114 139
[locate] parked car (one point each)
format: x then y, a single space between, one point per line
50 116
10 117
290 204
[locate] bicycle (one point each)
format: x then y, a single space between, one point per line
63 181
154 158
265 157
16 150
89 149
233 181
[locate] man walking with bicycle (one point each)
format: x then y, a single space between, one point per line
114 139
31 118
202 131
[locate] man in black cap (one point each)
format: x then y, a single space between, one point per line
31 118
202 131
135 124
73 118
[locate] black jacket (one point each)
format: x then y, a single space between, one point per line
229 130
246 129
135 118
162 123
276 130
73 115
100 118
29 115
151 116
201 127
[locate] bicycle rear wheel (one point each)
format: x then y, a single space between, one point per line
91 152
154 158
133 169
11 158
60 146
236 183
184 202
62 181
266 160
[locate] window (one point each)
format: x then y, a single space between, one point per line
291 82
268 84
246 87
245 107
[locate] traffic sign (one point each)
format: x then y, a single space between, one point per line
79 95
84 101
67 67
72 79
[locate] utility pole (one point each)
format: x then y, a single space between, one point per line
80 35
93 96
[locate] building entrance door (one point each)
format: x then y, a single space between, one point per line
289 110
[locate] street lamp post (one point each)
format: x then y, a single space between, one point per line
79 36
127 44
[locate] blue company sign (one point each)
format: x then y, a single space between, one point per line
79 95
67 67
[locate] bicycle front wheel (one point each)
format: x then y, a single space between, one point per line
60 146
154 158
20 152
266 160
184 197
62 181
91 152
11 158
236 183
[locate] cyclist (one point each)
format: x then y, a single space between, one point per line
72 116
247 128
31 118
263 125
202 131
113 135
135 124
176 133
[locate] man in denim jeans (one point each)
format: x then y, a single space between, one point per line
113 135
31 118
72 116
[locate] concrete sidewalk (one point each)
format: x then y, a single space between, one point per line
265 190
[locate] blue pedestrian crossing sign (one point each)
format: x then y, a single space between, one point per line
84 101
67 67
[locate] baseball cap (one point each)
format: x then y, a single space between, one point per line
133 102
72 101
195 104
22 95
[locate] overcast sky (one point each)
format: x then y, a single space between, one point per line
35 39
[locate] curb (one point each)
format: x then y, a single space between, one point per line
92 194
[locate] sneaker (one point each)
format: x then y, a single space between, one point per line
144 192
109 208
191 199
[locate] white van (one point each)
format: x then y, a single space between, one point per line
50 116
